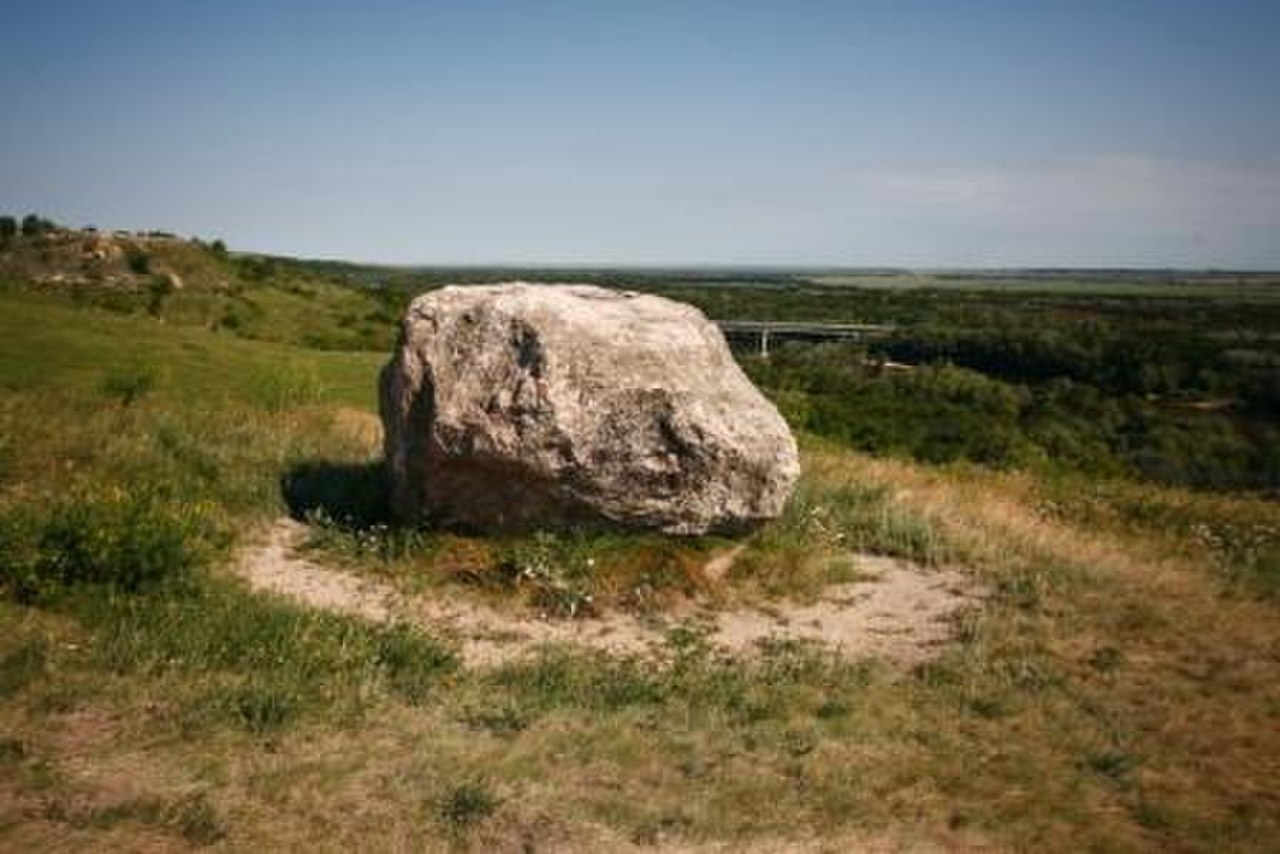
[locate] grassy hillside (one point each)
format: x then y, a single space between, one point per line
191 283
1115 691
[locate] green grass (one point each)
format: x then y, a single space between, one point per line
1115 692
47 344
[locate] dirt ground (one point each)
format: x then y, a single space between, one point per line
896 610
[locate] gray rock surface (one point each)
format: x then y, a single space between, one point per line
515 406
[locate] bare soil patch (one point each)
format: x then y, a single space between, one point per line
896 610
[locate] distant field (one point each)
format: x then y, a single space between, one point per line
1238 286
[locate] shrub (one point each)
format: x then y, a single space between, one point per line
139 262
467 804
128 384
122 542
158 290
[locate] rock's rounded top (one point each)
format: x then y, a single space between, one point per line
523 404
592 311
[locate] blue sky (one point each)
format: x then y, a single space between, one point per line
649 132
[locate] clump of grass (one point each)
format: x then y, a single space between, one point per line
287 386
824 524
557 570
192 817
22 665
412 663
127 542
260 664
784 678
1239 535
265 707
467 804
129 383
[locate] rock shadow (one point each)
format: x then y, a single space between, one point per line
353 495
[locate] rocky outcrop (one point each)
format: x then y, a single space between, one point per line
517 406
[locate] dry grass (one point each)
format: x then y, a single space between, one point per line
1110 696
1116 692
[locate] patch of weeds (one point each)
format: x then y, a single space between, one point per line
1112 764
1247 554
413 664
505 718
466 805
197 820
560 679
832 708
12 751
277 662
148 811
808 547
799 742
378 542
22 665
1027 673
193 817
1106 659
555 570
579 572
265 708
127 542
1152 816
129 384
868 520
651 831
990 706
1023 591
62 697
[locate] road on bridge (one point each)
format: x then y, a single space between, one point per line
767 330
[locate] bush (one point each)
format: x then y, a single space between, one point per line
129 384
139 262
122 542
466 805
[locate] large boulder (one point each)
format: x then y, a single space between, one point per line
516 406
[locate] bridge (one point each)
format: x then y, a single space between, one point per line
767 330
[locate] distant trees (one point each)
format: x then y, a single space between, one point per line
1065 397
34 225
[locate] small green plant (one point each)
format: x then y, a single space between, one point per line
556 569
197 820
129 384
413 664
264 708
158 290
466 805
